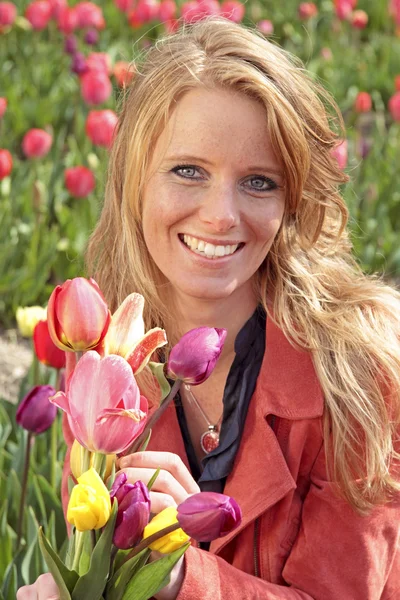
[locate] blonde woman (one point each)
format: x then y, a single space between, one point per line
222 208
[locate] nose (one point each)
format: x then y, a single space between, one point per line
219 209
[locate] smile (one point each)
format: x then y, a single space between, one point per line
207 249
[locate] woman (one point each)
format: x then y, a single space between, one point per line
222 208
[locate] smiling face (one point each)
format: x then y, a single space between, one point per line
214 200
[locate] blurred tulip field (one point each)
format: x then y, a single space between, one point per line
63 67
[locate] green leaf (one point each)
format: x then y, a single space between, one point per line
65 579
153 478
95 579
158 371
144 445
152 577
116 586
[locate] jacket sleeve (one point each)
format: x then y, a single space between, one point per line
337 554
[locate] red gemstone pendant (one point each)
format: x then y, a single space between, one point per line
209 439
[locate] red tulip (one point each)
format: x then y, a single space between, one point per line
6 163
124 5
363 102
77 315
38 14
344 8
394 106
167 10
307 10
45 349
89 15
79 181
266 27
67 20
3 106
100 126
99 61
397 83
339 152
359 19
36 143
8 13
35 413
106 412
123 72
208 515
232 10
96 87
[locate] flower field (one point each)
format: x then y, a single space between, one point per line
63 68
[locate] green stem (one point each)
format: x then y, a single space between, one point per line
79 539
155 416
35 367
23 487
152 538
98 461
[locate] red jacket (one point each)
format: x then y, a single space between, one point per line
301 540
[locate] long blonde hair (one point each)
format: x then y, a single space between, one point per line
309 282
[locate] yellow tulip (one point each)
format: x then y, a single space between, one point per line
28 317
76 460
89 506
171 541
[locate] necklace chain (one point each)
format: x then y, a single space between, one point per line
207 420
209 440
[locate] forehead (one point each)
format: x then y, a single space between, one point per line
217 125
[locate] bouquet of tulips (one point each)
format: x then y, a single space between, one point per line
112 534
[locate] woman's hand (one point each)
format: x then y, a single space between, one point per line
173 484
44 588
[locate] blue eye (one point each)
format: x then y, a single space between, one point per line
260 183
186 171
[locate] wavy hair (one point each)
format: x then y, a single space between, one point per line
309 282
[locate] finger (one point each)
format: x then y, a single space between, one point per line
166 460
27 592
160 501
47 587
164 483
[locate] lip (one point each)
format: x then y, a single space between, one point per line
210 261
213 241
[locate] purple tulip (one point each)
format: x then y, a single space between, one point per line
91 37
194 357
35 413
78 64
70 44
133 511
208 515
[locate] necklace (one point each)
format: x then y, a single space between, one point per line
209 440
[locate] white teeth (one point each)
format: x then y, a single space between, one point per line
207 249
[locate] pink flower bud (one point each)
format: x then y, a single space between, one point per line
36 143
397 83
96 87
89 15
8 13
266 27
6 163
133 511
326 53
99 61
307 10
166 10
208 515
233 10
3 106
194 357
193 11
359 19
100 126
67 20
38 13
124 5
123 72
363 102
394 106
344 8
45 349
56 7
144 12
79 181
35 413
339 152
77 315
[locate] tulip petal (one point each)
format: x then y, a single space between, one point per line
55 330
141 353
60 399
127 326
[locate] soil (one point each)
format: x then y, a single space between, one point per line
15 359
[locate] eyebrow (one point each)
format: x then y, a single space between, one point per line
191 158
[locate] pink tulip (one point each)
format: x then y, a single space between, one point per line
144 12
397 83
124 5
208 515
123 72
100 127
394 106
77 315
96 87
193 11
326 53
166 10
36 143
232 10
344 8
3 106
394 9
38 13
89 15
126 337
363 102
307 10
67 20
99 61
266 27
57 6
79 181
339 152
6 163
8 14
105 409
359 19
